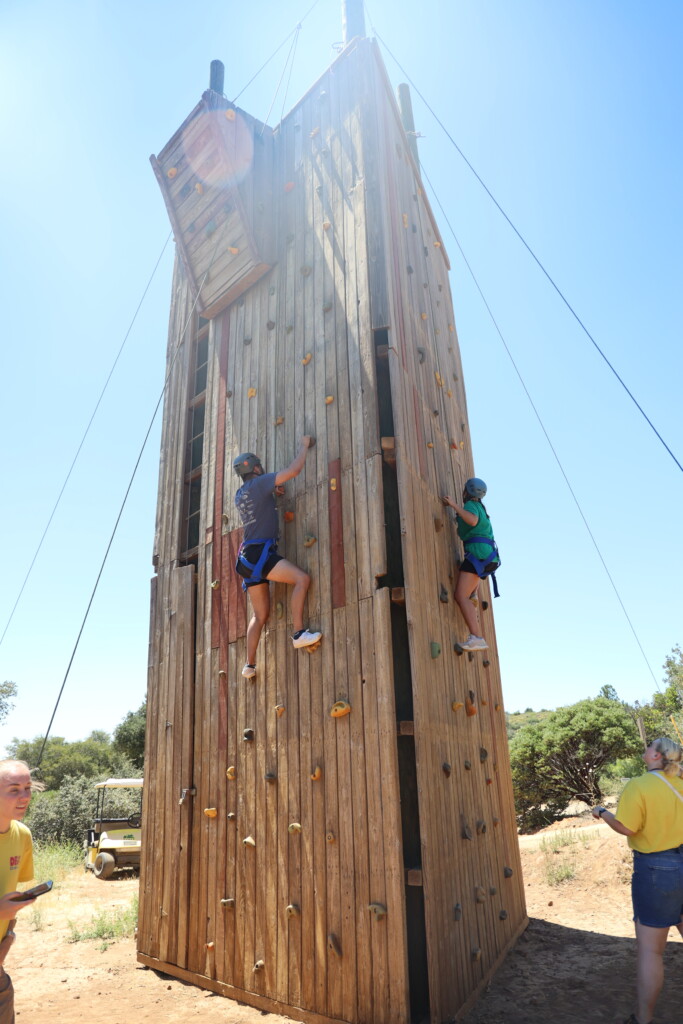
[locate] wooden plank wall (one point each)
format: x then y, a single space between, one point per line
462 760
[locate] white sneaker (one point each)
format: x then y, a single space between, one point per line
249 671
306 638
474 643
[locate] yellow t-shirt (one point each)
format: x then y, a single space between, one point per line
649 808
16 861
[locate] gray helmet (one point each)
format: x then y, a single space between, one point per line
476 488
245 463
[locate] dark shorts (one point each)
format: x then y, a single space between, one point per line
657 888
467 566
252 552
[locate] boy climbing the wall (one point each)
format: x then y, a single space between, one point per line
258 561
16 865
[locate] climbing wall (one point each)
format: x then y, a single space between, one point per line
333 856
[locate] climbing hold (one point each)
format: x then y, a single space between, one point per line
309 540
258 966
171 172
503 915
279 609
289 185
210 812
210 228
191 227
288 516
199 188
443 595
476 953
508 872
484 605
340 708
293 910
479 894
437 245
489 782
410 269
333 483
451 328
248 735
486 664
462 445
405 219
496 822
423 315
306 271
329 399
228 902
249 841
229 394
483 752
231 773
215 584
233 250
313 132
330 837
438 524
185 191
333 944
435 649
279 710
270 777
306 359
458 649
327 307
457 912
468 765
231 815
446 768
438 378
317 773
430 444
421 353
449 393
497 707
221 672
470 706
492 890
481 828
484 702
294 827
230 114
251 392
247 341
270 325
289 328
279 421
456 705
326 225
378 909
465 830
209 945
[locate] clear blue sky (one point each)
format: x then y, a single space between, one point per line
571 114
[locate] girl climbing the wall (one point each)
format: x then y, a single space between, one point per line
481 557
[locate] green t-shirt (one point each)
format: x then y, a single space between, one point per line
483 528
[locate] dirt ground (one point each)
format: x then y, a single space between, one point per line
575 963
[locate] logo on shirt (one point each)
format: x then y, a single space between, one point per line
14 863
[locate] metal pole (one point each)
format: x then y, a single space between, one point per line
217 77
353 21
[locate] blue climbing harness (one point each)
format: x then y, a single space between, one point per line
484 566
255 568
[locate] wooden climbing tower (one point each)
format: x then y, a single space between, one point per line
361 868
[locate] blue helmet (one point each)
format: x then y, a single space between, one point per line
476 488
245 463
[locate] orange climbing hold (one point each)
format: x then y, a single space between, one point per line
171 172
340 708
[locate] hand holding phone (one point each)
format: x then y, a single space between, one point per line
31 894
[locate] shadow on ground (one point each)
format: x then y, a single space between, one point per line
558 975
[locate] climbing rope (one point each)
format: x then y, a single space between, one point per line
542 425
526 245
82 441
290 56
125 497
275 52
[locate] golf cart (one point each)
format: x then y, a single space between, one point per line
114 842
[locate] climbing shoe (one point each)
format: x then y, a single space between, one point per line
304 638
249 671
474 643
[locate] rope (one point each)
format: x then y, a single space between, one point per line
291 68
528 248
82 441
125 497
277 87
542 426
275 52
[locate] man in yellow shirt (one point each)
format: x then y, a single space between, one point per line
16 865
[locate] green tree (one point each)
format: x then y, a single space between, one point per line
90 757
129 735
7 691
65 815
562 758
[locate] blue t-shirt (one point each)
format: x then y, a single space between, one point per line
255 503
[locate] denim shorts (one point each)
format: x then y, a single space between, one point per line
657 888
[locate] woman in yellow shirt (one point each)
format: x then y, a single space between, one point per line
650 813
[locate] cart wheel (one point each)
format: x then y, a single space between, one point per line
135 821
105 865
